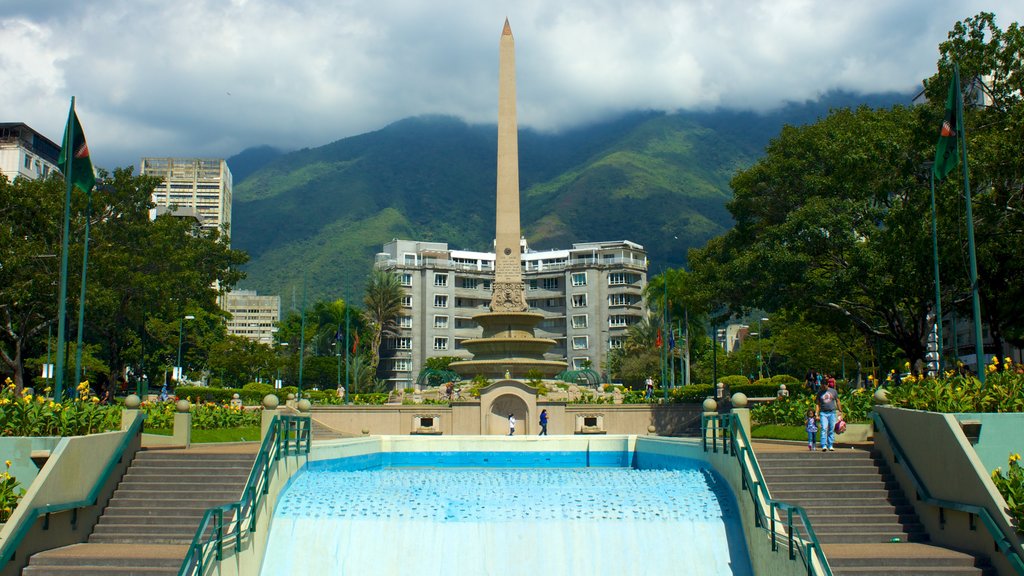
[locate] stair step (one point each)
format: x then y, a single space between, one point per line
162 520
97 571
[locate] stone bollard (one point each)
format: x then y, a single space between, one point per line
290 402
270 404
710 408
131 411
183 423
739 408
236 401
782 393
303 406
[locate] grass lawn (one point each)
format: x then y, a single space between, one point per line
216 435
779 432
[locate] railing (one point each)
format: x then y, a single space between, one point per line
1003 542
225 525
9 547
800 537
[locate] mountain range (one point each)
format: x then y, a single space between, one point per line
315 217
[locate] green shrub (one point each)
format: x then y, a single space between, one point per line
792 410
28 415
734 380
1003 392
374 399
692 394
259 388
760 389
10 493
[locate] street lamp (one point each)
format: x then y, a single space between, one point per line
760 362
181 333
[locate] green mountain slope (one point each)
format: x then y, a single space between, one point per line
656 179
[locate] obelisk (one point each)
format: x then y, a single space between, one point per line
509 293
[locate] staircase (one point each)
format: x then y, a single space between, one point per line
865 523
154 513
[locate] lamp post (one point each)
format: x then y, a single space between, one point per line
181 333
760 345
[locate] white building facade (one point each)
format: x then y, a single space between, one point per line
253 316
589 294
201 184
25 152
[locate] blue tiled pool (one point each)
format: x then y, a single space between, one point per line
506 513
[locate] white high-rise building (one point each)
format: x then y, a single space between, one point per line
25 152
253 316
589 294
200 184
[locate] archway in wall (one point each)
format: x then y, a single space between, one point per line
497 419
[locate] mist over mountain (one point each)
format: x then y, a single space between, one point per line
319 215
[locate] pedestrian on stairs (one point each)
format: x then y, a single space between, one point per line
812 427
827 404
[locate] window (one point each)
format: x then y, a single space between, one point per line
615 278
579 321
402 343
533 285
440 301
410 259
440 279
405 321
487 285
615 343
28 161
406 279
440 321
440 343
579 279
549 283
470 283
407 301
619 300
403 365
581 362
579 300
618 321
579 343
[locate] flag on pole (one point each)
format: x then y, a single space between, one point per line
657 341
74 161
946 157
355 344
671 339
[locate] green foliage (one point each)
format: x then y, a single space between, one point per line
259 388
1011 486
383 301
375 399
779 432
792 410
734 380
692 394
249 397
205 415
1003 391
760 389
26 415
10 493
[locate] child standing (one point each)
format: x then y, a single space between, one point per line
812 427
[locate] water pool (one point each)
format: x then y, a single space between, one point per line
335 518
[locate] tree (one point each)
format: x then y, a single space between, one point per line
833 223
30 230
383 301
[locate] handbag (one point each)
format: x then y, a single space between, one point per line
840 425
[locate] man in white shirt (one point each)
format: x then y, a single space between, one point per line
511 424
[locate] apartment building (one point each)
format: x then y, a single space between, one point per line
589 294
25 152
202 185
253 316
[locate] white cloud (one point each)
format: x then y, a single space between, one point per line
206 77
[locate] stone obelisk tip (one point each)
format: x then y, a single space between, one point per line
507 31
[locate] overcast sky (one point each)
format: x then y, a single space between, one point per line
212 77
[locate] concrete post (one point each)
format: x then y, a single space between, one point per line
739 408
270 404
183 424
131 411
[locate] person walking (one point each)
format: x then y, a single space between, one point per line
511 424
811 421
826 406
543 422
649 384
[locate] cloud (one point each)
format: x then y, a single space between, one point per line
211 77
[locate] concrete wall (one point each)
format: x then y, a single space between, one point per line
489 417
948 467
19 449
1000 436
71 472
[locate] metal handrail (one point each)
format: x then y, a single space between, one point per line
9 546
808 547
1001 539
286 436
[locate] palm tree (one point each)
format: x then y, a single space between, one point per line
383 302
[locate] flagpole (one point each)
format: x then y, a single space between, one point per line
686 323
979 345
347 385
664 302
81 298
935 264
69 138
302 336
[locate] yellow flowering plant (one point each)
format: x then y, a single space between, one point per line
1011 486
28 415
10 493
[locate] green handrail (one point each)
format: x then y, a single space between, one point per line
9 547
1001 539
286 436
809 546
